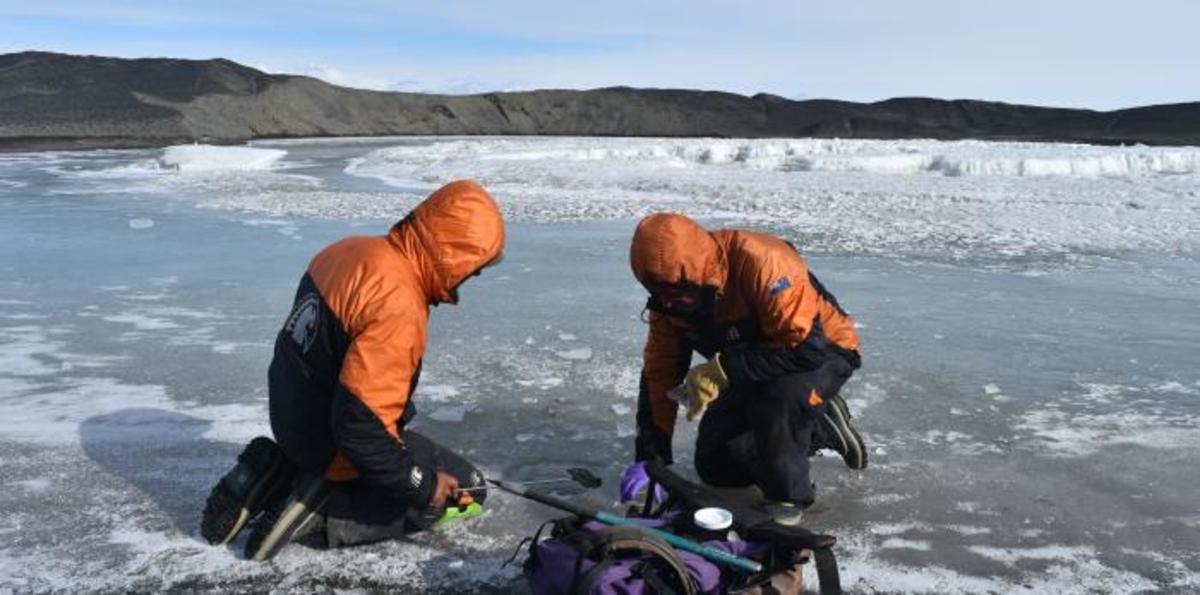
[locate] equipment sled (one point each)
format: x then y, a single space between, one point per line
659 548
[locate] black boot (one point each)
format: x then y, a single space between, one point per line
262 474
837 434
291 519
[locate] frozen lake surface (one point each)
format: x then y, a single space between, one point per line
1030 392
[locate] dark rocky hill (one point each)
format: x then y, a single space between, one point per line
55 101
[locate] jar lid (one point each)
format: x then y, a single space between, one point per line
713 519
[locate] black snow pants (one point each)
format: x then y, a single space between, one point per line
762 433
358 513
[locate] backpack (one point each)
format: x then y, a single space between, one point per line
588 557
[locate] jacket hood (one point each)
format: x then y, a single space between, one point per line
671 248
452 234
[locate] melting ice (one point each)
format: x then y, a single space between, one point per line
1028 313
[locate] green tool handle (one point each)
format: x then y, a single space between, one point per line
683 543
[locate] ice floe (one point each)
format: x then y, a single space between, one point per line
204 158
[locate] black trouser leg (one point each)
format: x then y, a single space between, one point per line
760 434
725 448
782 427
757 435
359 513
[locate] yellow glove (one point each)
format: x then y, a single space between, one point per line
704 382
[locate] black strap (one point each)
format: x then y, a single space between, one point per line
533 561
827 571
653 581
648 506
517 551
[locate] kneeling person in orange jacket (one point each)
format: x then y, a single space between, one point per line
346 364
779 348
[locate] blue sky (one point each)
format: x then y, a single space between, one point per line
1101 54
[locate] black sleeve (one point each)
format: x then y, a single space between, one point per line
651 442
761 364
379 457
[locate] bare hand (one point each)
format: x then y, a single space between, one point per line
446 490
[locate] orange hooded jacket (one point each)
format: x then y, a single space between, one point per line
350 354
771 315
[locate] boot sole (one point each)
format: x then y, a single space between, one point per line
298 514
225 514
852 451
786 516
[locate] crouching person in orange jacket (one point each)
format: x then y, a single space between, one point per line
779 348
346 363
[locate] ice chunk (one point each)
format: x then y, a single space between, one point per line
621 408
991 389
436 392
566 337
449 413
204 158
141 223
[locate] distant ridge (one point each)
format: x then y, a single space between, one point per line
50 100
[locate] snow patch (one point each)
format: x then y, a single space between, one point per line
142 322
52 416
25 351
543 383
969 530
1050 552
1080 434
896 543
1098 417
37 485
579 354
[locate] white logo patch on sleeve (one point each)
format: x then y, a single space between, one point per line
302 324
